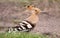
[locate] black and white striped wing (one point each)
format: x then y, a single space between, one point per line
23 26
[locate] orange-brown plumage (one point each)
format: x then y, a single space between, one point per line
33 18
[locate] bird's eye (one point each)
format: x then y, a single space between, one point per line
28 6
35 10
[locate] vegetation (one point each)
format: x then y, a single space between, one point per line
21 35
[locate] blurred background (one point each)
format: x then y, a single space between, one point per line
13 11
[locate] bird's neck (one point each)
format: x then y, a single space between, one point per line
33 18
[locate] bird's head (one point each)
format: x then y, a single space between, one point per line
36 11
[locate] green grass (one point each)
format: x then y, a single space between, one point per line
21 35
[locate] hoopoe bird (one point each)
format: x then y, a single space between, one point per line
29 23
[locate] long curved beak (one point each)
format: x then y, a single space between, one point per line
44 12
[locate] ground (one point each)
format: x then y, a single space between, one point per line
49 22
